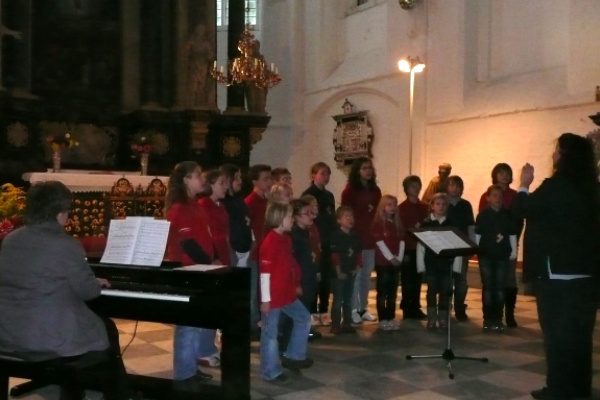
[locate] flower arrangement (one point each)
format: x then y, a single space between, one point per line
146 142
61 141
12 207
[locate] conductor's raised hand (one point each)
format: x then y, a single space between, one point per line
526 175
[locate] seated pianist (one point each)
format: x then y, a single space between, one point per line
44 284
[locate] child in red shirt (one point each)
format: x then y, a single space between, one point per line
363 195
279 289
388 257
218 220
190 242
412 212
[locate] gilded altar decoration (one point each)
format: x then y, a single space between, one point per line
88 216
353 135
17 134
232 146
127 201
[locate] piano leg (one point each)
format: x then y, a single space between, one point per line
235 354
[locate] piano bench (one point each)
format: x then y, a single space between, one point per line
42 371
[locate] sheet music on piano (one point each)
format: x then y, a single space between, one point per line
136 241
199 267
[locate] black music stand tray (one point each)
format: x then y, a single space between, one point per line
449 252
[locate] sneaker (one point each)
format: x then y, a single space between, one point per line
335 329
356 318
312 335
487 326
498 327
367 316
383 325
213 361
281 379
348 329
315 319
296 364
393 325
461 316
325 319
419 314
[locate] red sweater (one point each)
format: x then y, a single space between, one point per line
276 259
188 221
218 221
390 235
507 199
411 215
257 207
364 203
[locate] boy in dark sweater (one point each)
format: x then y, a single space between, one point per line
346 254
460 212
437 269
496 233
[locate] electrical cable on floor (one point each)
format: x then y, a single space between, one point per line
132 337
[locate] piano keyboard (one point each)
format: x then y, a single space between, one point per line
145 295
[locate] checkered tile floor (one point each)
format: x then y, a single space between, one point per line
372 364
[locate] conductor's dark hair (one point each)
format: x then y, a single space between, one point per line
577 164
354 176
501 167
45 200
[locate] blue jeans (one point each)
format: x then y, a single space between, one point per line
494 275
341 311
270 364
362 283
254 310
189 344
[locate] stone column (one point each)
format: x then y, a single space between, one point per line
150 53
235 93
181 34
23 14
130 55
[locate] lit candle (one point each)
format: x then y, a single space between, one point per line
215 65
272 66
222 69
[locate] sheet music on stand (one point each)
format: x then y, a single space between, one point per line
446 241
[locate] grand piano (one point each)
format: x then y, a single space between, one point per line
216 299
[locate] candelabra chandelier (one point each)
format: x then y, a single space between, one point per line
407 4
249 68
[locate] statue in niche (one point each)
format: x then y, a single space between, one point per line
256 97
199 55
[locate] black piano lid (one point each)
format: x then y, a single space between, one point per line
166 264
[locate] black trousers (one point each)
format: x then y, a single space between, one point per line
321 301
110 373
567 315
387 291
410 280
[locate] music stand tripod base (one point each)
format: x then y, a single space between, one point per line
448 354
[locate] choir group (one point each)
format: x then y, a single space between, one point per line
303 250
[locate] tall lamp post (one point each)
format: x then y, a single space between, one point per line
411 65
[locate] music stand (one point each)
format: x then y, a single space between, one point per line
446 242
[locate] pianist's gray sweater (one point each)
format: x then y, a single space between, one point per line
44 283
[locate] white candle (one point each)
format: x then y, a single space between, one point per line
272 66
222 69
215 65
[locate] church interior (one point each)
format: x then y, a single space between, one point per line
107 96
